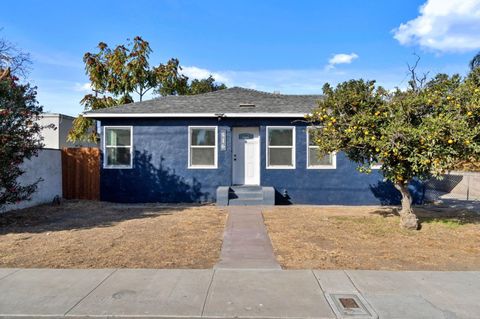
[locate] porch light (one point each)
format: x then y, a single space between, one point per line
220 115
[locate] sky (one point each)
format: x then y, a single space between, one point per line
292 47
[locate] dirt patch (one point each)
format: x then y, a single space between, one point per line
370 238
84 234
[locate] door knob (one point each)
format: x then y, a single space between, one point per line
234 157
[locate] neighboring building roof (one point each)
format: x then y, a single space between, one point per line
232 102
57 115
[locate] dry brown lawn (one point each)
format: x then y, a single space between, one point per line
370 238
83 234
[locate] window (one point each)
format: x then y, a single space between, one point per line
281 147
202 147
118 147
314 159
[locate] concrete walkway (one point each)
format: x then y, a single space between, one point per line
227 293
246 244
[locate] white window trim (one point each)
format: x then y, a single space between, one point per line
105 166
215 166
334 155
294 147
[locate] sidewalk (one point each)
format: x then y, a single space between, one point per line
228 293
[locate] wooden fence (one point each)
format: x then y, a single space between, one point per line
81 173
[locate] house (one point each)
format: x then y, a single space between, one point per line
236 146
56 138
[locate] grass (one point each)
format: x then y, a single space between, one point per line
370 238
83 234
450 223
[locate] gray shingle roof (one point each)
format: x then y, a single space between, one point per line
232 100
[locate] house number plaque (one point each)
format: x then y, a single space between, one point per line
223 140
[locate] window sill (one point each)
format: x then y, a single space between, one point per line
117 167
281 167
202 167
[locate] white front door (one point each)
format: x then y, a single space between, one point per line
246 156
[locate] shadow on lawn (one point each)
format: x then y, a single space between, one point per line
77 215
462 214
148 182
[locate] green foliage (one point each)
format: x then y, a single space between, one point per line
475 61
19 137
116 74
174 83
83 129
205 86
171 82
418 132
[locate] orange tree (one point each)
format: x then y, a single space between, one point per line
419 132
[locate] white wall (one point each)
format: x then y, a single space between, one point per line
50 135
48 166
57 138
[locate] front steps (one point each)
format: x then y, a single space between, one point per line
245 195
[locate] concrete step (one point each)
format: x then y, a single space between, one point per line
246 188
245 202
245 195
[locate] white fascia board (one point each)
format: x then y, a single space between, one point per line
132 115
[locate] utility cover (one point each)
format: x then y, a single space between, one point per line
350 306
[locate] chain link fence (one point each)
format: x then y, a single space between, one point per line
455 185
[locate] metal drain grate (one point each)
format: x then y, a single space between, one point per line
348 303
350 306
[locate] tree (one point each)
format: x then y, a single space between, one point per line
117 74
205 86
414 133
19 132
475 61
174 83
171 80
12 60
114 75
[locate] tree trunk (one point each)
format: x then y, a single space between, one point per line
408 219
141 93
5 73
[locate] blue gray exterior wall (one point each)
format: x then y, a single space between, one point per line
160 170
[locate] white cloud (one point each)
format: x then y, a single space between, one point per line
308 81
443 26
194 72
63 96
82 87
341 58
58 60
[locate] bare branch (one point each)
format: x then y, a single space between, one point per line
416 82
13 59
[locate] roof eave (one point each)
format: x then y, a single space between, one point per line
172 115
